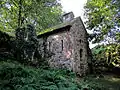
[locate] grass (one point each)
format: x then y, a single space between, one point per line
101 82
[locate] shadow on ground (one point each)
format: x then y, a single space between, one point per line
100 82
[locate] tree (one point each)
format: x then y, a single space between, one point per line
41 13
106 56
103 19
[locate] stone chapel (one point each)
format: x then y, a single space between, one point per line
68 44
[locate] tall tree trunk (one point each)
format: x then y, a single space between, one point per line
19 13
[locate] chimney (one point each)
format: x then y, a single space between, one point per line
68 17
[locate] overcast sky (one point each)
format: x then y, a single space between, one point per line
76 6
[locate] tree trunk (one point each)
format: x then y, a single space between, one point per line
19 13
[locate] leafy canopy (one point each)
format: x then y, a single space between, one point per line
41 13
103 19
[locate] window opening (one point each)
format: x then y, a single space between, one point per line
62 44
49 45
81 53
80 40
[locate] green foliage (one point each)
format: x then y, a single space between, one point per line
103 19
5 46
14 76
91 85
99 59
26 49
113 54
100 82
41 13
105 57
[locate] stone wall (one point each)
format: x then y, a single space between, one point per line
80 42
68 47
61 46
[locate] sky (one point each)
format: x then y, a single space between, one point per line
77 7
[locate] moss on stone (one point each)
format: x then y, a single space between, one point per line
55 28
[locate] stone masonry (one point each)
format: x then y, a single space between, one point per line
67 44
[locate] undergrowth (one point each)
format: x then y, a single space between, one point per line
14 76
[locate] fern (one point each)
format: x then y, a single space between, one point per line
14 76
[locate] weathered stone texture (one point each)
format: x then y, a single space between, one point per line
60 45
68 47
80 46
